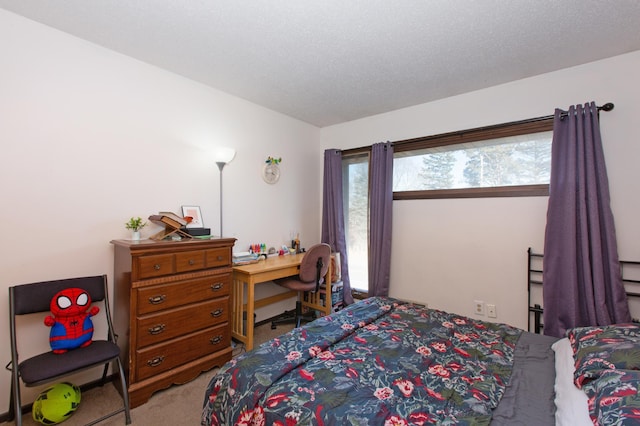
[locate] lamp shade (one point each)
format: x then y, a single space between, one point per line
224 155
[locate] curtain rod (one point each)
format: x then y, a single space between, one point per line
606 107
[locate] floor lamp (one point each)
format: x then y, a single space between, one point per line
223 157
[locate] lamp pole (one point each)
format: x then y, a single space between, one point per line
221 165
222 158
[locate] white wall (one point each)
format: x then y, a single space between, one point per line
90 138
449 253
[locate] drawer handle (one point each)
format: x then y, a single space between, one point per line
156 329
156 267
155 361
192 262
215 340
217 312
220 258
217 286
156 300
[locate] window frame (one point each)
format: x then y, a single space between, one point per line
516 128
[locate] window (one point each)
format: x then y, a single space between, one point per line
511 159
506 160
355 175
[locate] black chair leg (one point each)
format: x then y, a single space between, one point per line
295 316
125 394
15 408
298 313
10 414
104 374
286 317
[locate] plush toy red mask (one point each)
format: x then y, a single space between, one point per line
71 325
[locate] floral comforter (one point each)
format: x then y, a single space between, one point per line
377 362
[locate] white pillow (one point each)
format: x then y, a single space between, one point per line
571 403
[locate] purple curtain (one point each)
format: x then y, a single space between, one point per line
380 214
333 231
582 277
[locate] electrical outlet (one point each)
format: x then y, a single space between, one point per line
478 307
491 311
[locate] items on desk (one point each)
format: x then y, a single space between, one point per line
295 244
258 248
262 251
244 258
288 250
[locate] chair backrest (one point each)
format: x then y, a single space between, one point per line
308 266
36 297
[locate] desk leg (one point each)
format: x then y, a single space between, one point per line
237 301
250 312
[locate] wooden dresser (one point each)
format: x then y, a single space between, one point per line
171 310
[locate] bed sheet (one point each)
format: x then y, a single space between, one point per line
529 397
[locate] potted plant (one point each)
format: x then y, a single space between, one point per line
135 225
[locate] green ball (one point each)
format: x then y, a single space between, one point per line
56 403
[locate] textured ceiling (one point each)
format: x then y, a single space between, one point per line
331 61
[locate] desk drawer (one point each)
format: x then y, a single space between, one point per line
158 327
158 358
156 265
159 297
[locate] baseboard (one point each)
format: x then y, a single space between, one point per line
4 417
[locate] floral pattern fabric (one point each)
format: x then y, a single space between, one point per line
607 361
377 362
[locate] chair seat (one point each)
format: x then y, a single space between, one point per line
295 284
46 366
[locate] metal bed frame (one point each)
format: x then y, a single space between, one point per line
630 277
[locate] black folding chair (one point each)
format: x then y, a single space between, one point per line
48 367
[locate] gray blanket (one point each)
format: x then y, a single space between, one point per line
528 399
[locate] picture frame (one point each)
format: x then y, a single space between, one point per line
194 212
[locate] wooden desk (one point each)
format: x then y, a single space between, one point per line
255 273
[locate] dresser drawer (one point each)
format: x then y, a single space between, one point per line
158 358
218 257
190 261
161 326
165 296
156 265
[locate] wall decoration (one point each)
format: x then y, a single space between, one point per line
271 170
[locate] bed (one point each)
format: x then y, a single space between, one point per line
383 361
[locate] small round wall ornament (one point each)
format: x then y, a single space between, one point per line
271 170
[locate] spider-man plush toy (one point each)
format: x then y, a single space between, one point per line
71 325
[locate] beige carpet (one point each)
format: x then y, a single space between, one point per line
177 405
